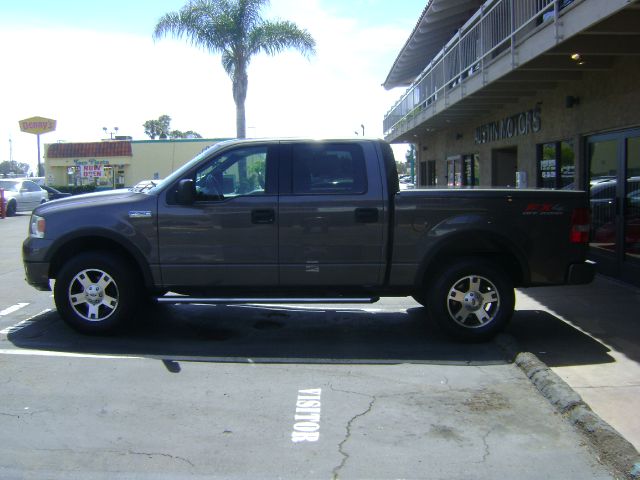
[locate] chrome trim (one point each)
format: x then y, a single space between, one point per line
230 301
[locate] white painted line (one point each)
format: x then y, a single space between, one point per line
23 323
47 353
13 308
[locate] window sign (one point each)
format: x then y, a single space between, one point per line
556 165
91 171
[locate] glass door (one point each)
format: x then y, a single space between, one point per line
614 185
632 202
603 186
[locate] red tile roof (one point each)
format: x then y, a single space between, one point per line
92 149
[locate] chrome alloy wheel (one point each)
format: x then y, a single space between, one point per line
93 295
473 301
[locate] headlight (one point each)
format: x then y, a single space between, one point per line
37 226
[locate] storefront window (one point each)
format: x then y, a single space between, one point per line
432 180
556 165
471 170
453 172
463 170
102 176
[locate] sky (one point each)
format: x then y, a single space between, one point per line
90 65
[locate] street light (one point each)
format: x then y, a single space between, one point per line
115 130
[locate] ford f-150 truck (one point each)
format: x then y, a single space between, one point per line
305 221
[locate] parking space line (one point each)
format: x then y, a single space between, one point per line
23 323
12 308
48 353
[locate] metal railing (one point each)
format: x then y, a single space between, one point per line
497 27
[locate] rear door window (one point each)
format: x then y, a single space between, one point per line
328 168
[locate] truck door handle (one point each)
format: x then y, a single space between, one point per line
263 217
366 215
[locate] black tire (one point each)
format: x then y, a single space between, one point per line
472 299
96 292
11 208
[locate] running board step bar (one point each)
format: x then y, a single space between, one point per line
232 301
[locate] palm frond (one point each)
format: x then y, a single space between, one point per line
228 63
273 37
202 22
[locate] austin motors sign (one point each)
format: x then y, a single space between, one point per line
522 123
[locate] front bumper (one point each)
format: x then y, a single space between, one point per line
37 275
36 266
581 273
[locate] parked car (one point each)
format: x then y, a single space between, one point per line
54 193
22 195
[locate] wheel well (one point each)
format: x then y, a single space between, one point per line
93 243
492 249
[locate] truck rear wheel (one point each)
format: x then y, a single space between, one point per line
95 292
471 299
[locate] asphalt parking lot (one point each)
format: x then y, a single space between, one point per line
279 391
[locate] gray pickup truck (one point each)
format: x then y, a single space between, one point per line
304 221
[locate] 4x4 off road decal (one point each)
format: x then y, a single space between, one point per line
544 209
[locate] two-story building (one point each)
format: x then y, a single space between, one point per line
529 93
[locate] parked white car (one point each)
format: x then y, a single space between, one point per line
22 195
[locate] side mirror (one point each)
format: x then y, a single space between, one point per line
186 192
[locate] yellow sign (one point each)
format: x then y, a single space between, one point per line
37 125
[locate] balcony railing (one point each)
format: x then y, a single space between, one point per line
497 27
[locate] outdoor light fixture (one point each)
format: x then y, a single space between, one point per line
576 57
115 130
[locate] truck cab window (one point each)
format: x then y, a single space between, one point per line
328 169
235 173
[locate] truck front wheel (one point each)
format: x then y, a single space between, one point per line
95 292
471 299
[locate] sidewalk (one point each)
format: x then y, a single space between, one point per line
590 336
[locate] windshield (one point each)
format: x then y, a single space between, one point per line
9 185
187 166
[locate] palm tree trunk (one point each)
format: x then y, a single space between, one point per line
240 84
241 129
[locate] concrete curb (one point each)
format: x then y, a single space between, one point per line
613 449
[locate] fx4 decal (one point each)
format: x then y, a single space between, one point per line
544 209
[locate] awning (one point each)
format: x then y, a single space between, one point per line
439 22
90 149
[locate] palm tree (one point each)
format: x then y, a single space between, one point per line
235 29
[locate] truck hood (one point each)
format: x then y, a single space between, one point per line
110 197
